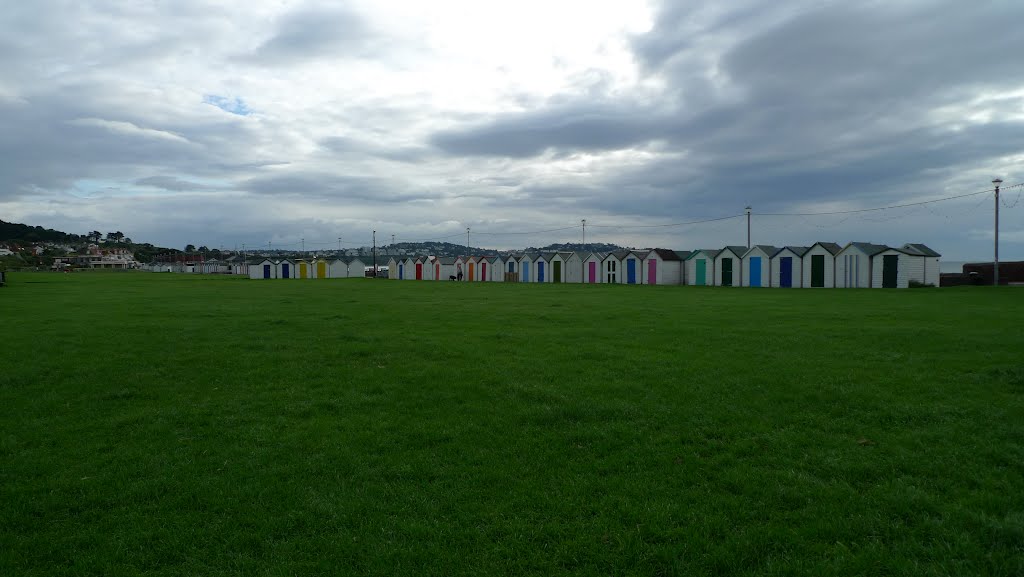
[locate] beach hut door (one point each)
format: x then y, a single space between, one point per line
702 271
652 271
593 272
726 272
817 271
755 271
419 271
631 271
786 272
890 264
556 271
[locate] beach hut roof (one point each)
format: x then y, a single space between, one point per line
868 248
923 249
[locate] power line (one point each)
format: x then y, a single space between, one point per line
835 212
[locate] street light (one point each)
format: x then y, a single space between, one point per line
748 209
995 267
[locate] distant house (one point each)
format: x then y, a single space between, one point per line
285 269
542 267
931 262
526 268
496 269
854 264
357 268
611 267
786 265
444 267
573 267
757 265
663 266
338 268
265 269
897 267
592 272
632 265
700 267
558 267
511 268
819 265
728 271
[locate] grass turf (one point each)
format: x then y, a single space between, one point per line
173 424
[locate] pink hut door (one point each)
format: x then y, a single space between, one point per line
593 272
652 272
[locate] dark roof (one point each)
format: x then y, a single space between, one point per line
619 254
664 254
683 254
829 246
547 255
923 249
765 248
712 252
641 254
446 259
797 250
735 249
868 248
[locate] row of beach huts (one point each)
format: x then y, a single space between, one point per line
821 265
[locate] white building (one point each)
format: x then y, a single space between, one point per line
854 264
819 265
728 269
787 270
663 266
700 267
757 268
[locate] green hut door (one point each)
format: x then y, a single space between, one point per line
890 264
702 272
726 272
817 270
556 268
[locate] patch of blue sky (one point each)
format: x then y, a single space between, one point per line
233 105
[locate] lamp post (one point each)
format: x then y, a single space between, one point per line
995 268
374 254
748 226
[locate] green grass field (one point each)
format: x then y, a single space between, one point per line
183 425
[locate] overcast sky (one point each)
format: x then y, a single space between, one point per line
185 122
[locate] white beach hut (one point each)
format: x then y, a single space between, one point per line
854 264
818 265
728 271
757 268
787 270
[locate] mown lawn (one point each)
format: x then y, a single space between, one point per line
184 425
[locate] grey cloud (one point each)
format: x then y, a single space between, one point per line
578 126
332 187
311 34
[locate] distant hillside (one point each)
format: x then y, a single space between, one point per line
14 232
449 249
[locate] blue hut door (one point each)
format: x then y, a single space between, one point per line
401 271
284 270
786 272
755 271
540 271
526 273
631 271
266 271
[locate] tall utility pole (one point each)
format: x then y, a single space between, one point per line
392 241
339 246
375 254
467 242
243 255
995 274
303 248
584 221
748 226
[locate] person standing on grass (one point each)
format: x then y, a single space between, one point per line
459 275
